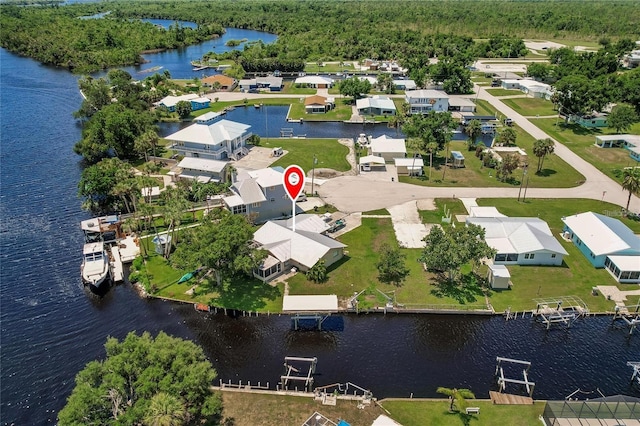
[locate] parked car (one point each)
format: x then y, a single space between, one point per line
301 197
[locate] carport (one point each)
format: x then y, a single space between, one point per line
369 162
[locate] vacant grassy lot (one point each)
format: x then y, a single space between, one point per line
575 277
581 141
329 152
556 173
420 412
290 88
358 272
531 107
484 108
276 410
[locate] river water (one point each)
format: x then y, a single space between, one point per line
51 326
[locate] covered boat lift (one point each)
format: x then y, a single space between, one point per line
316 308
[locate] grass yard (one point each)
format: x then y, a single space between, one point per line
530 107
484 108
379 212
498 91
357 272
575 277
556 173
243 293
220 105
290 88
454 206
436 413
329 152
581 140
275 410
341 112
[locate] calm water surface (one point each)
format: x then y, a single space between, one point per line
51 326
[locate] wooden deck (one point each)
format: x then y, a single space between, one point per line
509 399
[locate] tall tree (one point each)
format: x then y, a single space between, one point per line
392 268
457 397
506 137
222 244
450 248
631 183
124 388
354 87
542 148
507 166
183 109
165 410
621 118
146 142
474 130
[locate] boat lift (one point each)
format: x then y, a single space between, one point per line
294 374
564 310
635 378
628 314
502 380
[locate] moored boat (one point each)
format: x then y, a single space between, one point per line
95 264
201 307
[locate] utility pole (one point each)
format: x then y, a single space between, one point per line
524 175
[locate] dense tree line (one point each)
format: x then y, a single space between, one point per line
317 30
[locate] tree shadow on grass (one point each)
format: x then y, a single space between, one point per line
546 172
466 289
239 292
465 418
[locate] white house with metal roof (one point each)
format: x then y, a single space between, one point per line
387 148
315 81
409 166
259 194
218 140
626 141
301 249
520 240
425 101
376 105
405 84
200 169
196 102
607 243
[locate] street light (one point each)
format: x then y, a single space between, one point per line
313 173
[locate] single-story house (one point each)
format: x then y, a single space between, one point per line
481 118
318 104
200 169
372 80
461 104
409 166
247 84
196 102
223 82
520 240
315 81
371 162
387 148
607 243
301 249
534 88
628 142
424 101
405 84
590 120
376 105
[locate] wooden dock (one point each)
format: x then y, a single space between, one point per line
117 272
509 399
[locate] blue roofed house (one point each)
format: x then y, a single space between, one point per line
214 140
259 194
607 243
376 105
196 102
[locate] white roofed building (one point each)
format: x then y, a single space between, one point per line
301 249
376 105
218 140
425 101
200 169
409 166
405 84
607 243
388 148
520 240
196 102
315 81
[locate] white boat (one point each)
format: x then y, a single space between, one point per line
95 264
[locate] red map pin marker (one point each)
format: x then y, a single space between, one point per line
293 180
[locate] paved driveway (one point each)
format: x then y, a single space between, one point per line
407 225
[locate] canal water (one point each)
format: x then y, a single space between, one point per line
51 326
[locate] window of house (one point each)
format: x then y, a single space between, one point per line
500 257
272 199
255 205
553 255
239 209
512 257
529 255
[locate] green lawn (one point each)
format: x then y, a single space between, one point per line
556 173
341 112
531 106
379 212
243 293
454 207
484 108
329 153
357 272
575 277
498 91
581 140
436 413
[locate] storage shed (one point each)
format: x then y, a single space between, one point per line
499 276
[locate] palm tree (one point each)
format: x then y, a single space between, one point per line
431 148
473 130
165 410
541 148
631 183
456 396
